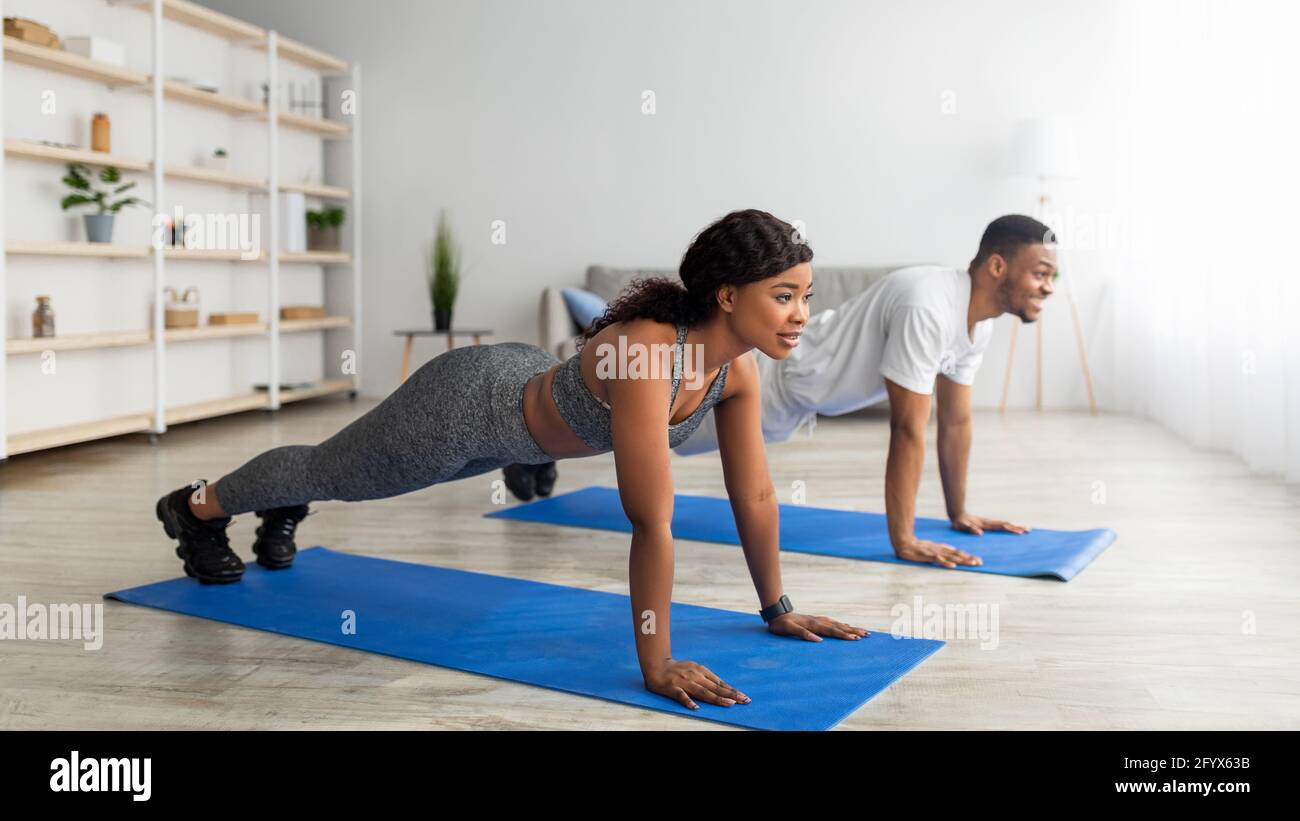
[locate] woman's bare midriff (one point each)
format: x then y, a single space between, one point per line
544 422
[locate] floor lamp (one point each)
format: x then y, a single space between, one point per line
1044 149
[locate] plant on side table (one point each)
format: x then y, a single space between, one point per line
444 274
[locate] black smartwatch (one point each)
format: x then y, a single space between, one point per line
781 607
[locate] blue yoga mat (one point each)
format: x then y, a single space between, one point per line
827 532
564 638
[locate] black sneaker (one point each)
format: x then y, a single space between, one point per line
204 545
519 478
544 477
274 546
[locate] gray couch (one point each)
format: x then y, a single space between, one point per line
831 287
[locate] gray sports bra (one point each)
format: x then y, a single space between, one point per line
589 417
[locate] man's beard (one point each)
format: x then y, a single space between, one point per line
1005 297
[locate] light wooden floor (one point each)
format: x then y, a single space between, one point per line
1149 636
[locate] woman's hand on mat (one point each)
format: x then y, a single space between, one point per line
812 628
970 523
679 680
944 555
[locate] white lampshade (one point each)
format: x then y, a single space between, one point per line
1044 148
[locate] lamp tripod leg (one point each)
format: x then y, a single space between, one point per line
1083 356
1006 378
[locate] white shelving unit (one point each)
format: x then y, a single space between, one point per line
162 91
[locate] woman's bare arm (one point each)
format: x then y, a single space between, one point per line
754 504
640 431
749 484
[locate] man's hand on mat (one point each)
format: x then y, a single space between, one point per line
679 679
919 550
812 628
970 523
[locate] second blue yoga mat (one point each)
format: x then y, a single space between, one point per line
848 534
564 638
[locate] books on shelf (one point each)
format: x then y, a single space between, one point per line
30 31
302 312
285 386
232 318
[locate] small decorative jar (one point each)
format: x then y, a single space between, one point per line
43 318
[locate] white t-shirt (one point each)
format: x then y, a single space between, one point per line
908 328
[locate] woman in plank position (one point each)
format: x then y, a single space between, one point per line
746 282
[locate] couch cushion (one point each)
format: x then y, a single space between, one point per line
584 306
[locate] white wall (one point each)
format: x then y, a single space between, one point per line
829 112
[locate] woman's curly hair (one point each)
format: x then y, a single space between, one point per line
742 247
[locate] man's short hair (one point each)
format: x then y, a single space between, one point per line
1007 235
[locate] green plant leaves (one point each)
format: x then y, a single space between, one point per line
444 266
118 206
84 192
327 218
73 200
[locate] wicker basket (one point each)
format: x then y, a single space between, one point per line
181 312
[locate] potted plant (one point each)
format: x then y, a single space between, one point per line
444 274
219 160
99 226
323 229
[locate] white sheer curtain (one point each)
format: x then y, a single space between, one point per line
1207 296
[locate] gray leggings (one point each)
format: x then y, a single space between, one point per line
459 415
